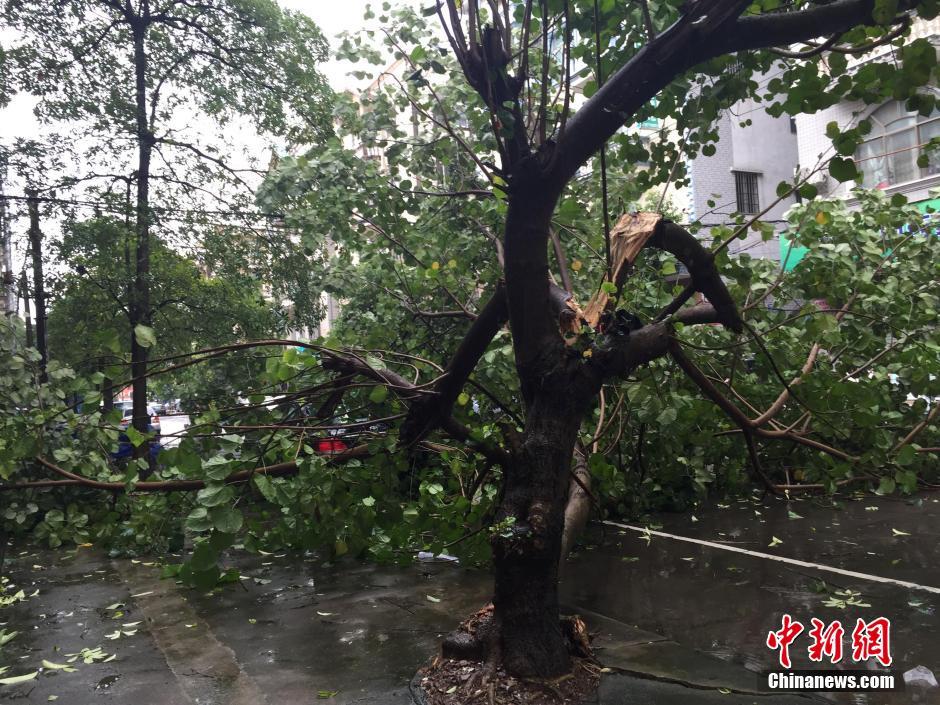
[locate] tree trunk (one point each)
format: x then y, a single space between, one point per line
8 282
39 289
578 506
527 553
107 394
140 296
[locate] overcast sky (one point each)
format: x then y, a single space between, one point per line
332 16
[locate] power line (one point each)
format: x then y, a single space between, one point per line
110 207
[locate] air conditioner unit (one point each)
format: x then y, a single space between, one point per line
822 183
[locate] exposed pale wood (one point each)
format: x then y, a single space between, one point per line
627 239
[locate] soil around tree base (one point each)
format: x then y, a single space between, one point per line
460 682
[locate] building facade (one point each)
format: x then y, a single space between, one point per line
754 153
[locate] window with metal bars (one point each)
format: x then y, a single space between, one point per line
745 187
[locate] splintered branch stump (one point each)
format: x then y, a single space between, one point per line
627 239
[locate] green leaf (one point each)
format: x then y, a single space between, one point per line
906 455
13 680
219 541
214 495
667 416
886 486
378 394
135 436
198 520
808 192
203 558
206 579
145 336
217 468
226 519
49 665
843 169
884 11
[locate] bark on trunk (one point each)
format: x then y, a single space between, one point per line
527 554
140 298
39 289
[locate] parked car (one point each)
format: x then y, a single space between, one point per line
324 441
127 417
125 449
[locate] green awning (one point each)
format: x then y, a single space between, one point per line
791 256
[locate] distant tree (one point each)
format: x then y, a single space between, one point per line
149 79
91 304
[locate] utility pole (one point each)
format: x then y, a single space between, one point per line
7 278
39 293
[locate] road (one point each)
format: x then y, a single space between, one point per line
170 426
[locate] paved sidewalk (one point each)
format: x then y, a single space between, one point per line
292 632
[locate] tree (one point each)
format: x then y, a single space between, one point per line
91 308
435 249
517 57
138 71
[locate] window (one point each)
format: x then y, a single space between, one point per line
745 187
897 139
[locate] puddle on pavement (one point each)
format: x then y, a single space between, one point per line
106 682
724 603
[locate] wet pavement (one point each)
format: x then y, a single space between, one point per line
172 428
678 622
723 604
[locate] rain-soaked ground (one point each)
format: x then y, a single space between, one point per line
724 603
681 622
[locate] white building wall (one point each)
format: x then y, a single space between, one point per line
766 147
814 148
